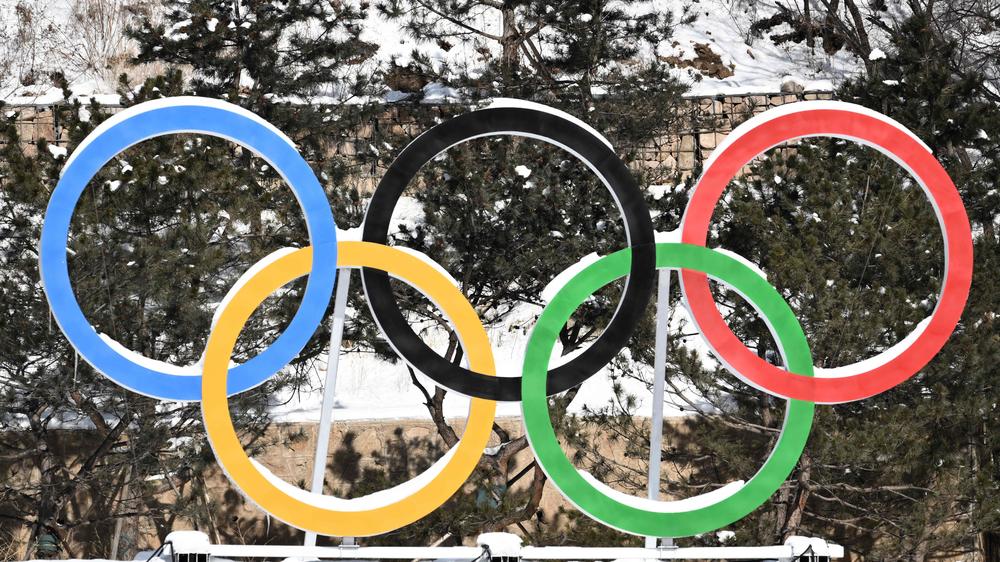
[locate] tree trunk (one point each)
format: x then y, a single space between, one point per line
782 502
809 25
859 28
989 546
829 28
797 508
510 43
116 537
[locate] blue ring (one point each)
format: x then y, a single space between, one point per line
222 120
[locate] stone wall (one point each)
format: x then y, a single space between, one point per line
229 517
705 122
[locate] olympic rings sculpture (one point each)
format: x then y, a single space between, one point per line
797 381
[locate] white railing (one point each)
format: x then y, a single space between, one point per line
795 549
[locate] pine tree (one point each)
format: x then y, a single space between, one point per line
853 245
505 216
950 105
159 236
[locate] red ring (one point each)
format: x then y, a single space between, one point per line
843 120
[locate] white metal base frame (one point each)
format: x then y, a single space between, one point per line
784 552
794 549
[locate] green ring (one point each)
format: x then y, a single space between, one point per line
592 501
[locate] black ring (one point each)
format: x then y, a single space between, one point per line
557 130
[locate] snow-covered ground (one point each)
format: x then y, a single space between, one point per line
757 64
371 388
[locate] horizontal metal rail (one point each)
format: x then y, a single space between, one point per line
783 552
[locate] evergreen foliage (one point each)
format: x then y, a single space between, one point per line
158 238
504 216
845 235
854 246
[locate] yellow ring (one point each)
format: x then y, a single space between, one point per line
274 497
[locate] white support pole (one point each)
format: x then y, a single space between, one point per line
659 376
329 390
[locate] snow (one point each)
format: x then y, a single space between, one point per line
667 237
83 89
500 544
57 151
659 190
725 536
364 381
759 66
189 541
522 171
350 234
801 545
371 388
439 93
408 214
876 54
